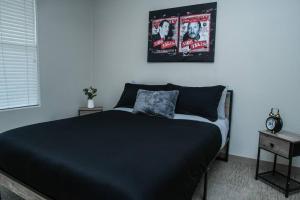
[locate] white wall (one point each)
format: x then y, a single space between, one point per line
257 55
65 30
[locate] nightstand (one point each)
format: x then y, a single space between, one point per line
284 144
86 111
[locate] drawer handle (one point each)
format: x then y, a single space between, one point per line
271 145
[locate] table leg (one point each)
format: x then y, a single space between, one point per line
205 187
287 187
274 164
257 163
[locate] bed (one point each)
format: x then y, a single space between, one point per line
112 155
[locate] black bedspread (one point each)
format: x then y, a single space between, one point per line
113 155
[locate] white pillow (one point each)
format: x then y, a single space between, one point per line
221 106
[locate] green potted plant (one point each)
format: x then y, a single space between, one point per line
90 93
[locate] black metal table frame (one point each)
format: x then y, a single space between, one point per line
258 175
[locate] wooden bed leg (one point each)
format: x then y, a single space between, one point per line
205 187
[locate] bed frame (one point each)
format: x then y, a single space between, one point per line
29 193
223 154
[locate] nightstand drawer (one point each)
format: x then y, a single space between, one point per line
86 111
274 145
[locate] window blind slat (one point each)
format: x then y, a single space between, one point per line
18 2
15 26
19 85
10 25
15 13
16 18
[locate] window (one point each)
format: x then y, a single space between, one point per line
19 81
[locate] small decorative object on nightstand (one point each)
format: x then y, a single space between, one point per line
286 145
90 93
274 122
86 111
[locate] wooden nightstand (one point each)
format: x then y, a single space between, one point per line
86 111
284 144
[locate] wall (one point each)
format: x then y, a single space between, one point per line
257 55
65 30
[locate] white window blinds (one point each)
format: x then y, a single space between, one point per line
19 83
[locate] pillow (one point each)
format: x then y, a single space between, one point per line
162 103
201 101
130 91
221 107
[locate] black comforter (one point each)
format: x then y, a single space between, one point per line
113 155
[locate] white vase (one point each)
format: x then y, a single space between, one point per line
91 103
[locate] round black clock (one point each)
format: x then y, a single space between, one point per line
274 122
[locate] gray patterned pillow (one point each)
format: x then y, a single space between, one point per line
162 103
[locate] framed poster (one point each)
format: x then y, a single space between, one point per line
184 34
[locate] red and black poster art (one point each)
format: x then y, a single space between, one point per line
164 35
184 34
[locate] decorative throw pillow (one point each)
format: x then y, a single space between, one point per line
128 96
162 103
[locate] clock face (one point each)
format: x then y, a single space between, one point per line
270 123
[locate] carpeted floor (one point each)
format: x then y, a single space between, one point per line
228 181
235 181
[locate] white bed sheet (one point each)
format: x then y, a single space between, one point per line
222 124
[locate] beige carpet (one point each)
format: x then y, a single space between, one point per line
235 181
228 181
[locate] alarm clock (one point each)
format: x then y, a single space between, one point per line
274 122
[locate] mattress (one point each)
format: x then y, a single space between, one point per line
112 155
222 124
